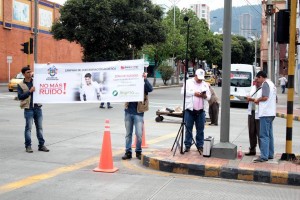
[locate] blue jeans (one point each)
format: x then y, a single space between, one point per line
36 115
266 137
137 121
192 117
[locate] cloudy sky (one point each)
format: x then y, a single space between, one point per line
213 4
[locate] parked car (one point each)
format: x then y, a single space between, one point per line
13 83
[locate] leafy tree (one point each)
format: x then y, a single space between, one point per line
110 29
166 72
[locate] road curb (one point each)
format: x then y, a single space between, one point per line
282 115
220 171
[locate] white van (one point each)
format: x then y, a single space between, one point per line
241 81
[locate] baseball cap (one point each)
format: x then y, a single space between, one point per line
200 74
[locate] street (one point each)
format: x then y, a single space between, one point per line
73 133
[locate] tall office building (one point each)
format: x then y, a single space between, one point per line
246 25
202 11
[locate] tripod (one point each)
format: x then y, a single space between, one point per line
180 133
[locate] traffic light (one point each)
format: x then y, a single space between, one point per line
283 26
31 46
25 47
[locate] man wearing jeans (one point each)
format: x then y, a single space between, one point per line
134 117
266 113
197 91
32 112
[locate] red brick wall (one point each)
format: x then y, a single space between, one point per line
49 50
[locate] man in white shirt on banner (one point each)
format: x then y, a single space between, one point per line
90 91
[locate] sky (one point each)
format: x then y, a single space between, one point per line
213 4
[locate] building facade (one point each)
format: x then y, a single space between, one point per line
17 26
202 11
246 25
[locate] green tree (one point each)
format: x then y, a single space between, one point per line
110 29
166 72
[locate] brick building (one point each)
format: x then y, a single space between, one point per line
17 26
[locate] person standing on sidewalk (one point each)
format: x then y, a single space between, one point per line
213 107
134 117
266 113
253 119
197 91
283 81
32 112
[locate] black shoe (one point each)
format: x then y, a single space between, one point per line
187 149
101 107
138 155
127 155
259 160
109 107
29 149
43 148
250 153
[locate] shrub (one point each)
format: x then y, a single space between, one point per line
166 72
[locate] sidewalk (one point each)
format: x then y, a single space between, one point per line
273 171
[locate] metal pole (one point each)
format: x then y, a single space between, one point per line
225 149
270 17
255 51
35 30
288 155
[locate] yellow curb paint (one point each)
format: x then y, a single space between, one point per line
245 177
180 170
279 177
154 164
212 170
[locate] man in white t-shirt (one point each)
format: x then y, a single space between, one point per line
283 81
266 114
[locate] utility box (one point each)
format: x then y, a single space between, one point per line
208 143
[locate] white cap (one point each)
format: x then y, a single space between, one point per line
200 74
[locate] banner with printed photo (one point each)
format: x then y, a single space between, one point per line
94 82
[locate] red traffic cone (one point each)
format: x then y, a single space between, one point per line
144 145
106 160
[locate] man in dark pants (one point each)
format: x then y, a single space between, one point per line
253 119
32 112
197 91
134 117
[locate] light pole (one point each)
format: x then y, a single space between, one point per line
174 2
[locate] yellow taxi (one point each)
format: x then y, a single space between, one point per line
13 83
210 79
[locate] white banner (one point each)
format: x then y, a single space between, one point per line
94 82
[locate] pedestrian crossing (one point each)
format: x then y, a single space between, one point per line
8 96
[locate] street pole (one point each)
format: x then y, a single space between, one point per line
288 155
225 149
255 51
270 16
35 30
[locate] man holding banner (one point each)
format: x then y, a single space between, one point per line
134 116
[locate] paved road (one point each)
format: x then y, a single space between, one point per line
74 135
